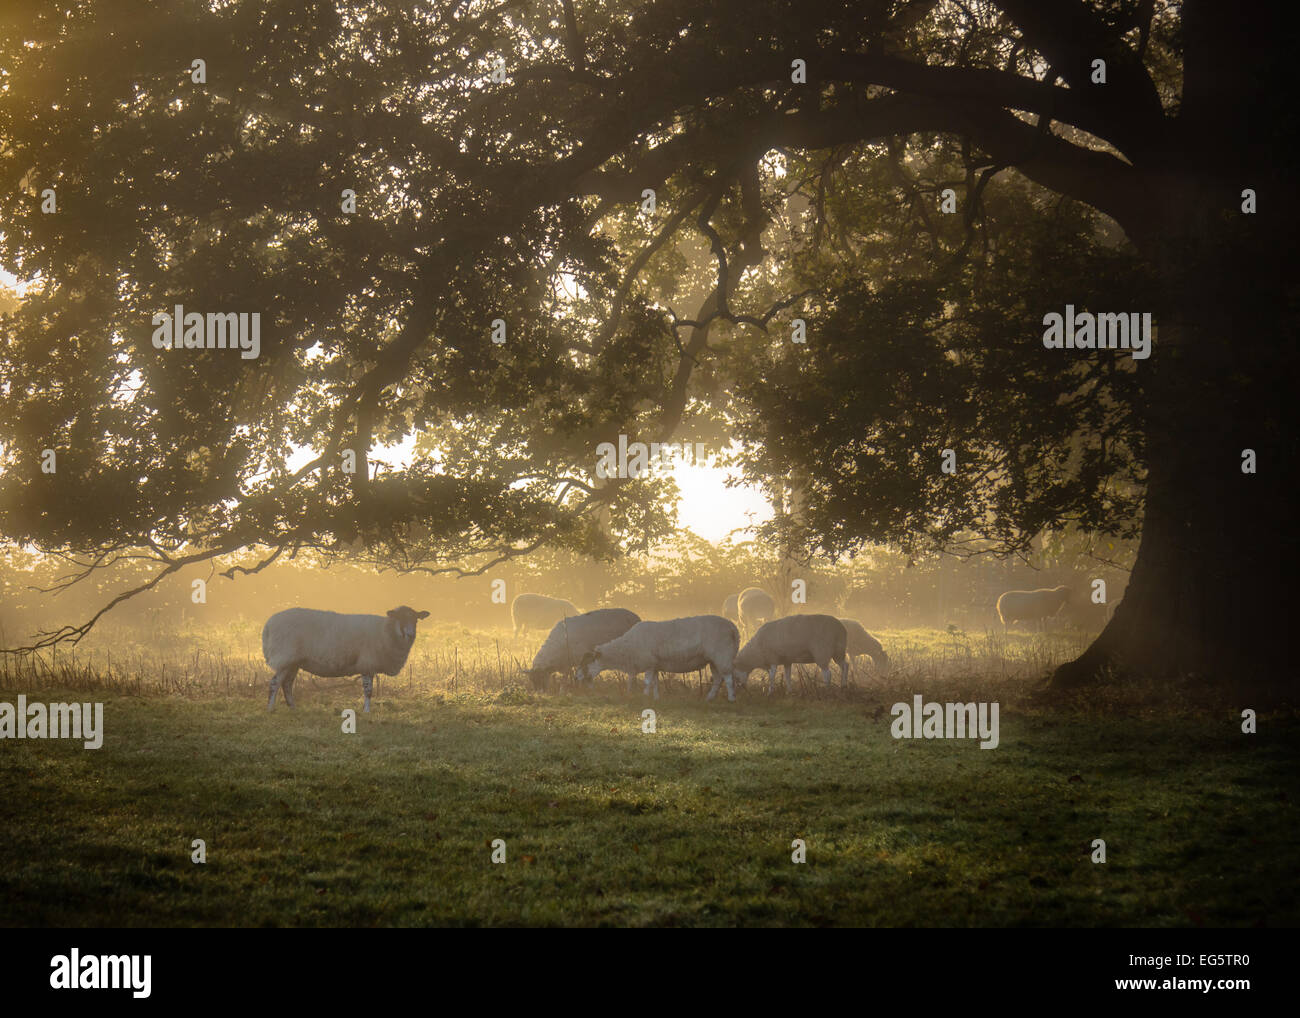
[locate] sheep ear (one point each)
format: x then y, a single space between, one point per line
421 615
392 613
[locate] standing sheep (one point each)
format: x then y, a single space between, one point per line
731 609
678 645
574 638
755 606
796 640
1032 605
332 646
862 642
537 611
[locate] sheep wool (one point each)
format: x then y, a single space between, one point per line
537 611
1031 605
332 645
676 646
573 639
756 606
794 640
862 642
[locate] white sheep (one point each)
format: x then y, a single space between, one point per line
574 638
731 608
332 646
1032 605
796 640
755 606
537 611
678 645
862 642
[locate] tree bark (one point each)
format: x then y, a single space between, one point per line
1211 594
1212 589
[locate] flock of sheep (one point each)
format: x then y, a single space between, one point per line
614 639
585 644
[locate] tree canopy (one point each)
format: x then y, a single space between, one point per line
502 157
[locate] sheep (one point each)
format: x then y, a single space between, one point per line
537 611
755 606
332 645
574 638
862 642
796 639
678 645
1032 605
731 609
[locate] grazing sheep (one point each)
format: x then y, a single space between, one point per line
1032 605
862 642
796 640
332 645
574 638
537 611
755 606
678 645
731 608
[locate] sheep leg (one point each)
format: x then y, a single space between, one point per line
785 675
286 687
844 671
717 682
826 673
276 679
771 680
731 687
367 687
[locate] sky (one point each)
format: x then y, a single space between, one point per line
711 509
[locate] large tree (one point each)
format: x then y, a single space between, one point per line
519 199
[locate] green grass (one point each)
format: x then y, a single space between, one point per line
605 825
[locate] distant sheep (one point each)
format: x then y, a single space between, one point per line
731 609
796 640
332 646
537 611
1032 605
678 645
574 638
862 642
755 606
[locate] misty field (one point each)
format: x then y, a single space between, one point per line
606 825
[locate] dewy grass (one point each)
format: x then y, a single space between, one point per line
604 824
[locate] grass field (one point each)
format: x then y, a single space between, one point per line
606 825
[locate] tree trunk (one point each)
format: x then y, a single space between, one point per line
1212 589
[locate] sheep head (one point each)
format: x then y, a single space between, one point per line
404 619
589 667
